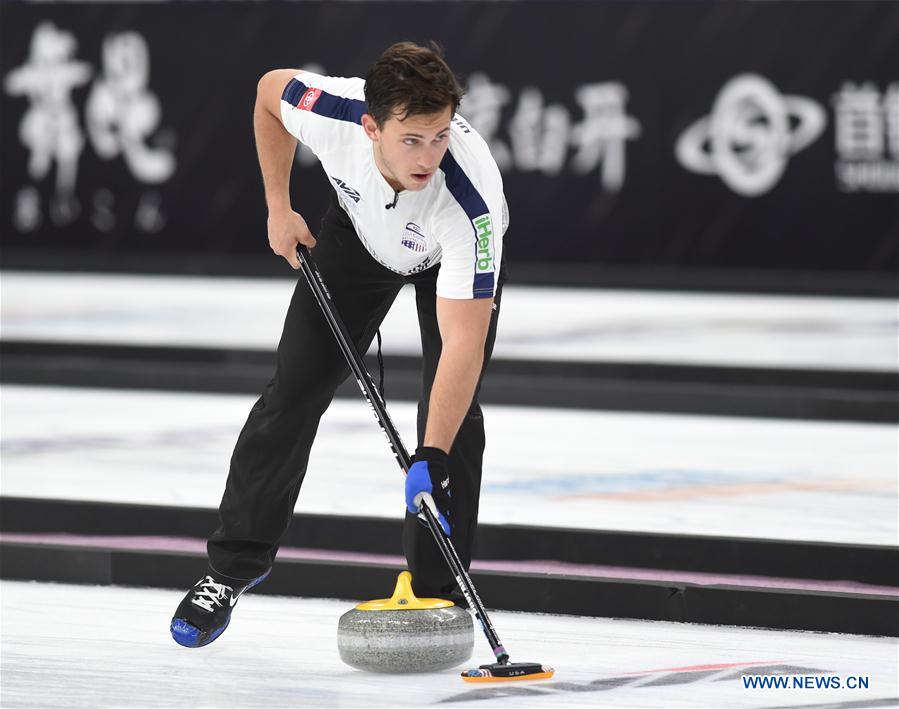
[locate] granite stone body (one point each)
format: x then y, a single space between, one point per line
396 641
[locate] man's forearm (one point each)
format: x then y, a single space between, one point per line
276 148
453 390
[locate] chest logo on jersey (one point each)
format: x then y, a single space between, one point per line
413 238
308 99
347 190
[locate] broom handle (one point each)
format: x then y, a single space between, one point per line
376 403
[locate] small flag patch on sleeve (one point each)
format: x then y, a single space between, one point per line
308 99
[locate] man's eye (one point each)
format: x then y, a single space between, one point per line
410 141
440 139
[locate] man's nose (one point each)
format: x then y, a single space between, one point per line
429 158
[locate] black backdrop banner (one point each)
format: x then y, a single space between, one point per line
694 135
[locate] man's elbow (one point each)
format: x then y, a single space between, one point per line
264 85
468 340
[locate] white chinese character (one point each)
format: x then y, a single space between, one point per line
49 128
859 122
122 113
27 209
601 136
103 213
149 217
539 133
482 107
891 112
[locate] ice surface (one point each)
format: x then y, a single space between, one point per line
536 323
82 646
817 481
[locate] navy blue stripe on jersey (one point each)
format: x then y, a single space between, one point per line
460 187
293 92
474 206
483 285
328 105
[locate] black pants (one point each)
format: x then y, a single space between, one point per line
272 451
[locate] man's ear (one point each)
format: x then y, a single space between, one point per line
370 126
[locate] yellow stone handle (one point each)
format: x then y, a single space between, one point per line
403 599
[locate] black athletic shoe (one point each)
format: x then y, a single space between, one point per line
205 611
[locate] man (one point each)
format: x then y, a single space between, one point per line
417 199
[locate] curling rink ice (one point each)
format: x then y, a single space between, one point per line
560 324
85 646
812 481
82 646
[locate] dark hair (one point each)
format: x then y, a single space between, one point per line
410 80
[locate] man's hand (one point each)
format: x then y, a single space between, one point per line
286 229
429 474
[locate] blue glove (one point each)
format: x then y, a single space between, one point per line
429 474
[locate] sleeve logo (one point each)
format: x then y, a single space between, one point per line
308 99
484 233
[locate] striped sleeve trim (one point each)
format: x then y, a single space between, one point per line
307 98
461 188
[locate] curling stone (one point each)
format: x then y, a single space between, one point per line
404 633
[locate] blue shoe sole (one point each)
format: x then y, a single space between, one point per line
188 635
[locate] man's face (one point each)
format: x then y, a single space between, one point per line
408 152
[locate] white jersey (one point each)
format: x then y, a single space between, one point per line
458 219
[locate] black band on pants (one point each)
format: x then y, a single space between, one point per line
272 451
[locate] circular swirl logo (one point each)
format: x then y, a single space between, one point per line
750 134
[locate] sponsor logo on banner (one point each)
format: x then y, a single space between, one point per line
750 135
549 138
121 120
122 113
308 99
866 130
50 129
413 238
